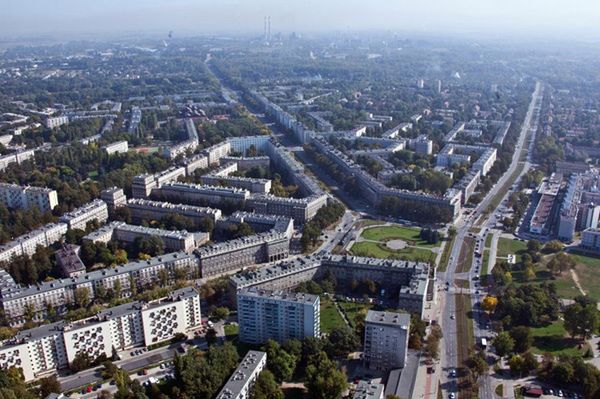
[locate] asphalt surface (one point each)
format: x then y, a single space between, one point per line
449 355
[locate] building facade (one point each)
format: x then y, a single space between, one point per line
277 315
386 340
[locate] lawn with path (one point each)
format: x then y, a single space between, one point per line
380 250
330 316
409 234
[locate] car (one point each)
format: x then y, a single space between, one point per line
452 373
112 382
452 317
89 388
477 292
560 393
451 395
161 366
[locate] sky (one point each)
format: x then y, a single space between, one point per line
577 19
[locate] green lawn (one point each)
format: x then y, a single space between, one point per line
588 271
351 309
330 317
553 338
507 246
488 241
231 331
484 262
410 234
446 256
379 250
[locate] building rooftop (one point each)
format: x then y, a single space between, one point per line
388 318
241 376
299 297
368 390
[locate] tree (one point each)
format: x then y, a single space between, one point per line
534 246
553 247
82 297
515 363
341 341
266 387
220 313
109 369
81 361
324 379
477 364
211 336
432 347
281 363
522 337
504 344
582 321
489 303
49 385
151 245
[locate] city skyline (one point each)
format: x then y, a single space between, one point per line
512 19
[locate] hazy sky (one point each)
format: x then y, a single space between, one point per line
563 18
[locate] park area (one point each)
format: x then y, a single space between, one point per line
395 242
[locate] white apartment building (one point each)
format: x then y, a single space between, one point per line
27 243
60 293
180 240
24 197
142 209
56 121
114 198
386 340
277 315
239 385
43 350
78 219
118 147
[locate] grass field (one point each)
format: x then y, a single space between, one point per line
507 246
553 339
352 309
446 256
330 317
464 335
231 331
379 250
409 234
484 262
465 257
488 241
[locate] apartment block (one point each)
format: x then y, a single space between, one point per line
78 219
42 350
239 385
386 340
114 198
155 210
196 194
180 240
118 147
590 239
60 293
277 315
56 121
14 196
27 243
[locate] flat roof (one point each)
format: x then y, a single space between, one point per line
388 318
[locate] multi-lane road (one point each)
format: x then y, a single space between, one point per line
449 356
